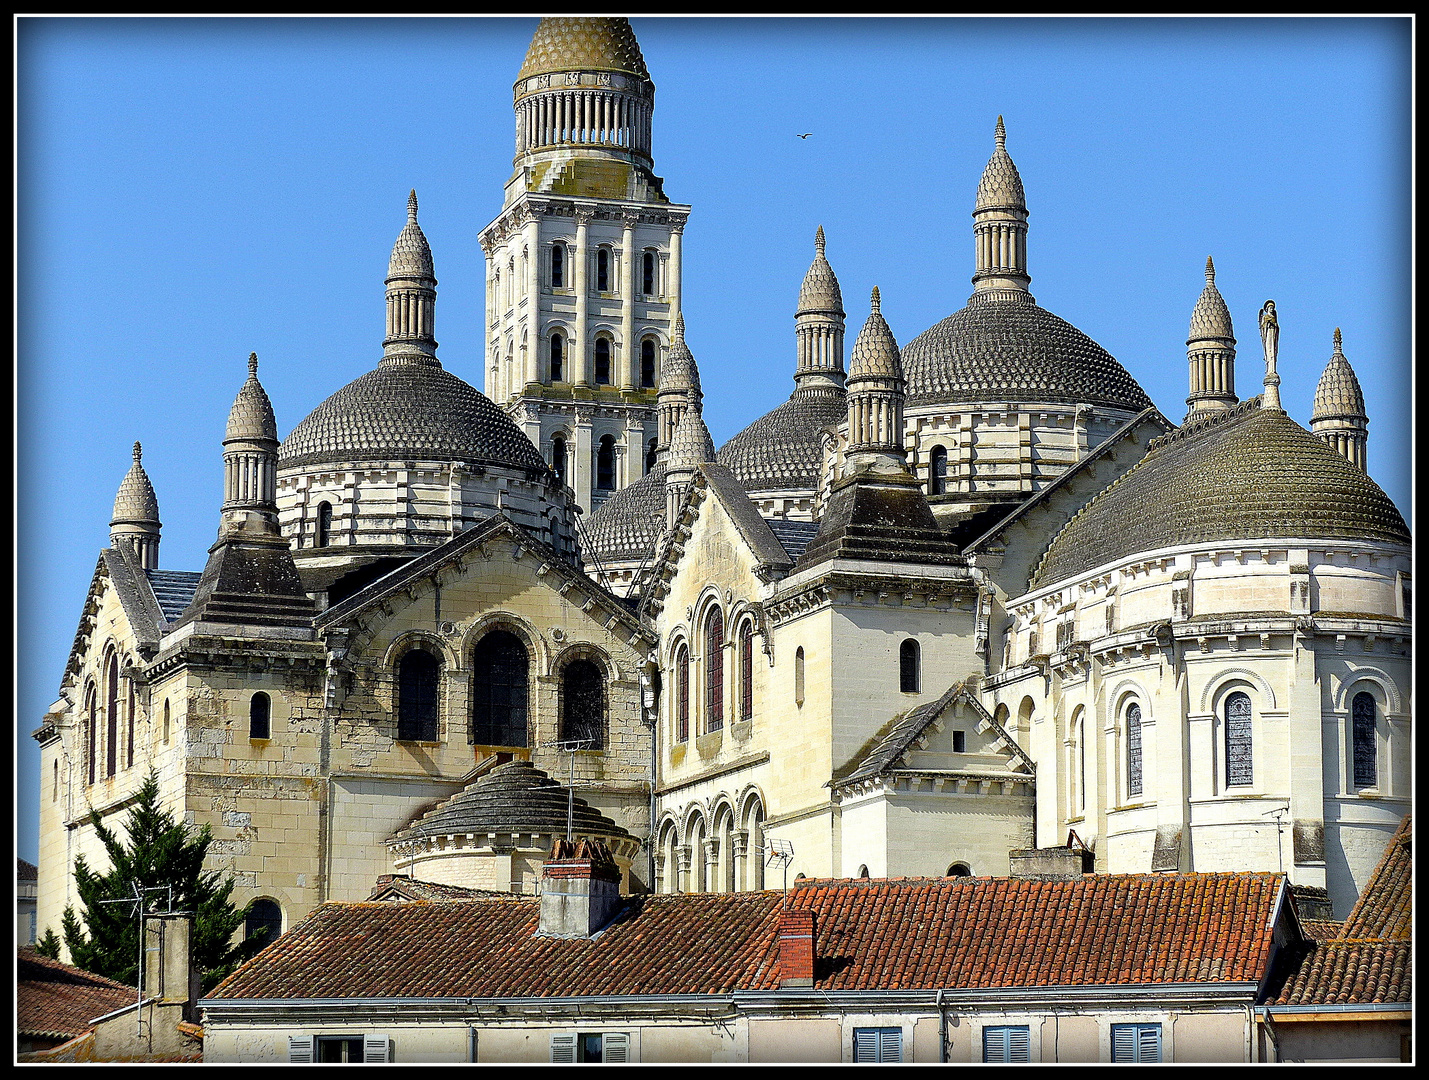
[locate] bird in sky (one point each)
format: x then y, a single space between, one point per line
805 135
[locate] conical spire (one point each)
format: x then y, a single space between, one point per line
680 372
820 291
875 350
691 444
1210 350
1000 227
135 521
1339 416
819 330
411 294
251 417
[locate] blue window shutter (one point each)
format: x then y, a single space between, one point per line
890 1044
1148 1042
616 1046
1019 1044
374 1048
1123 1042
994 1044
300 1049
865 1044
563 1047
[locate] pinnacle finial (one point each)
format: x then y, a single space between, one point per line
1210 271
138 453
819 240
874 301
1000 134
1339 349
253 365
680 326
412 207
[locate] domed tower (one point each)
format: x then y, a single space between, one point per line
583 263
778 457
875 398
135 522
1210 350
690 447
1003 396
1339 417
407 456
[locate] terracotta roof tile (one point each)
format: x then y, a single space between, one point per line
1385 908
57 1001
903 933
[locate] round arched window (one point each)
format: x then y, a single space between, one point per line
260 716
959 869
263 921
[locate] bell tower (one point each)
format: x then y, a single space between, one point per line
583 263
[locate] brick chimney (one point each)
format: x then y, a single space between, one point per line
796 949
580 889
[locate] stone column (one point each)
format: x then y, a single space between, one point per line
532 230
630 352
634 451
580 347
675 288
713 880
682 876
493 328
578 467
739 841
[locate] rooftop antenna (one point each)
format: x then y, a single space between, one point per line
140 910
782 852
1279 814
570 746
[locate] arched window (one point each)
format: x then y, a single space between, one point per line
583 704
111 726
264 918
602 270
908 665
647 362
605 464
1238 740
959 869
647 276
863 872
650 455
558 457
1362 717
746 670
1133 749
938 471
55 773
91 730
260 715
324 533
501 672
1079 767
166 723
682 694
558 358
799 676
714 671
602 361
558 266
417 697
129 745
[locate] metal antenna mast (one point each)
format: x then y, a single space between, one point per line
782 852
571 746
137 899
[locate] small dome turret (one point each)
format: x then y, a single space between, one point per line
820 291
1210 318
1339 417
1210 350
136 514
251 418
679 372
875 350
1001 185
691 444
583 44
411 254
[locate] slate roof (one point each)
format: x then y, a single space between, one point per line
173 589
793 536
1246 473
912 933
1002 347
1370 959
781 450
408 407
57 1001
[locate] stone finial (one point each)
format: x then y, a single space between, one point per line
412 207
819 240
253 365
999 134
139 450
679 331
1210 271
1210 318
873 301
1339 348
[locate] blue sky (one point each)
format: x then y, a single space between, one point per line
193 190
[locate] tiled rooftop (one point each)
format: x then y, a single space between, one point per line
886 934
57 1001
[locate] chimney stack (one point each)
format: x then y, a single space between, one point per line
796 949
580 889
170 977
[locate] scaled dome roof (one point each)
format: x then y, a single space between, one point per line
1003 347
1338 394
583 44
781 449
408 408
627 526
1247 473
135 501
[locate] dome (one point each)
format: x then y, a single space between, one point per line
411 254
136 502
1001 185
252 414
515 797
1210 318
782 449
1003 347
408 408
820 291
679 371
875 350
627 526
1248 473
1338 395
584 44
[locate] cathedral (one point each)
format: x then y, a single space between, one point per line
958 601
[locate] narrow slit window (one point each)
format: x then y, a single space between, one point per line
260 716
908 664
324 530
938 471
1366 752
1133 750
746 671
647 280
605 464
417 697
558 358
682 695
602 361
558 266
714 671
647 363
583 704
799 676
1238 740
602 270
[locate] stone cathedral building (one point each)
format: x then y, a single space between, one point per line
957 597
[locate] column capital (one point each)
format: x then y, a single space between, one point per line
583 215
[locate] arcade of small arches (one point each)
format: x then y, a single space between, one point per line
712 848
557 365
706 687
607 455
